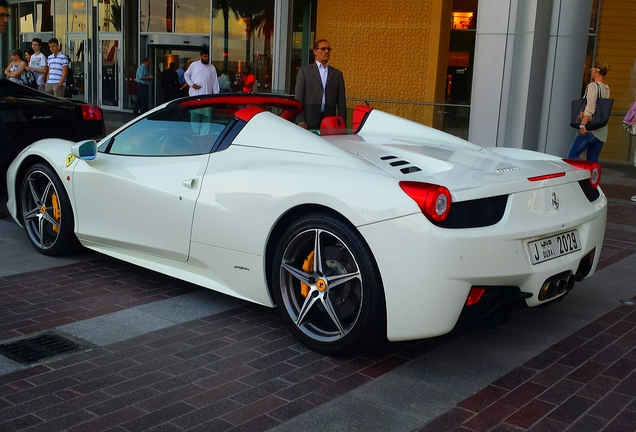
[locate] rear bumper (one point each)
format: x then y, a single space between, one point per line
427 272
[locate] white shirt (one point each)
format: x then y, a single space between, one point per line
37 61
323 71
203 75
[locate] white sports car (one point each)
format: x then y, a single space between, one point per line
395 230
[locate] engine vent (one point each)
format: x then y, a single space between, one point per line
396 162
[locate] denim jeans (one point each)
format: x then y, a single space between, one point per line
143 93
586 142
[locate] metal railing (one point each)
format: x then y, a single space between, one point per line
449 117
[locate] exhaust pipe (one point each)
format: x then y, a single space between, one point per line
557 285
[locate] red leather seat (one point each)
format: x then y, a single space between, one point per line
333 125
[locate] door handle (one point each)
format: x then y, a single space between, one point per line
190 183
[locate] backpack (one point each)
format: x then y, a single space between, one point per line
70 89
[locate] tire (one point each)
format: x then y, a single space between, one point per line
46 212
333 300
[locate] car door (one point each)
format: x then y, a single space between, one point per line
140 192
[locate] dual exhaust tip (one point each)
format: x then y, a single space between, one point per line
557 285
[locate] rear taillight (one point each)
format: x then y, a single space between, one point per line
433 200
91 112
593 167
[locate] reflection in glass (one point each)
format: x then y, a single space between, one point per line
27 17
76 16
242 34
156 16
192 16
43 16
110 72
76 54
35 17
303 34
61 8
109 15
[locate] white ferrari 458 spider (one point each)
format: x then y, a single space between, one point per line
392 230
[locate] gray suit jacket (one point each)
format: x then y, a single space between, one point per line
309 93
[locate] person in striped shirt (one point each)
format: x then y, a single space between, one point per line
57 71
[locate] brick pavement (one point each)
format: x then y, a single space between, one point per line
586 382
242 370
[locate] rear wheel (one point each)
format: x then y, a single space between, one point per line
46 212
327 286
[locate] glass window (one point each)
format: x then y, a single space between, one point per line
156 16
242 33
43 16
27 17
76 16
35 17
461 51
192 16
61 16
109 15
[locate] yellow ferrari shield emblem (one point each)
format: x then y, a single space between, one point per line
69 159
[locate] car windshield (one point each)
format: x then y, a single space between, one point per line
172 132
191 126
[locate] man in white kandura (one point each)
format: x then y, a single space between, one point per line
202 79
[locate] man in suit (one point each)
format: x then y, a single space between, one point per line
320 87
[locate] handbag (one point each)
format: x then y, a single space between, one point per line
601 114
27 78
629 121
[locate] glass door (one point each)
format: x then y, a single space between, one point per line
109 72
77 54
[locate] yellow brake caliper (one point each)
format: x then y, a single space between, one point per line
308 266
56 211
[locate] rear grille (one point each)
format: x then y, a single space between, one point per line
38 348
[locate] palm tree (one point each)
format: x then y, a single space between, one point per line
254 15
115 15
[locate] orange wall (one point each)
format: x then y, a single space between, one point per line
616 44
389 50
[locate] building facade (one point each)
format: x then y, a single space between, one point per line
498 72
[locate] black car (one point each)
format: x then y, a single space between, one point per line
31 115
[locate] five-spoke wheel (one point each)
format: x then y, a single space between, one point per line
327 286
46 211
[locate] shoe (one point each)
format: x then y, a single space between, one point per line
633 198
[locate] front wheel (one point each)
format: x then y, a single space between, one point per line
327 286
46 212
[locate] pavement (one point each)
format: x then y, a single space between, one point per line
156 353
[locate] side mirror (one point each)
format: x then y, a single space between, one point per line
85 150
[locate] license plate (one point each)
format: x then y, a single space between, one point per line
555 246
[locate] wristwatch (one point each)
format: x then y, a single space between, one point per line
581 126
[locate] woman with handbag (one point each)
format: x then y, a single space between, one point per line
592 141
